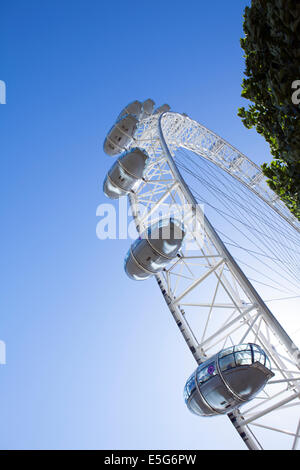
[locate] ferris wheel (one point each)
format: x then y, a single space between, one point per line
217 240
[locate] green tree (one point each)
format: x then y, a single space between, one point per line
272 56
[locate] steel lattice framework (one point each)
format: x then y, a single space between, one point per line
212 301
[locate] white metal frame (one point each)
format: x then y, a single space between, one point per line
209 296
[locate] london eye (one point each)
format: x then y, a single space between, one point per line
223 248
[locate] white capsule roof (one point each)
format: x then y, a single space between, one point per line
134 108
154 250
125 174
148 106
162 109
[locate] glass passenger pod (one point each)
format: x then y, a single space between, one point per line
162 109
148 106
166 236
227 380
120 135
134 108
125 174
154 249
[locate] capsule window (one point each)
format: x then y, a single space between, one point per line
259 357
243 358
227 362
195 408
177 232
226 351
206 373
135 243
190 386
263 359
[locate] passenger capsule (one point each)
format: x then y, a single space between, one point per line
148 106
125 174
227 380
152 252
134 108
162 109
120 135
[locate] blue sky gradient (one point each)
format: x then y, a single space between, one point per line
93 359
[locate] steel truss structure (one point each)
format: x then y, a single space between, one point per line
212 301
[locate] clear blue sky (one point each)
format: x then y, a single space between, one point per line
87 366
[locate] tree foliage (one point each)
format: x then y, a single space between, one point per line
272 56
